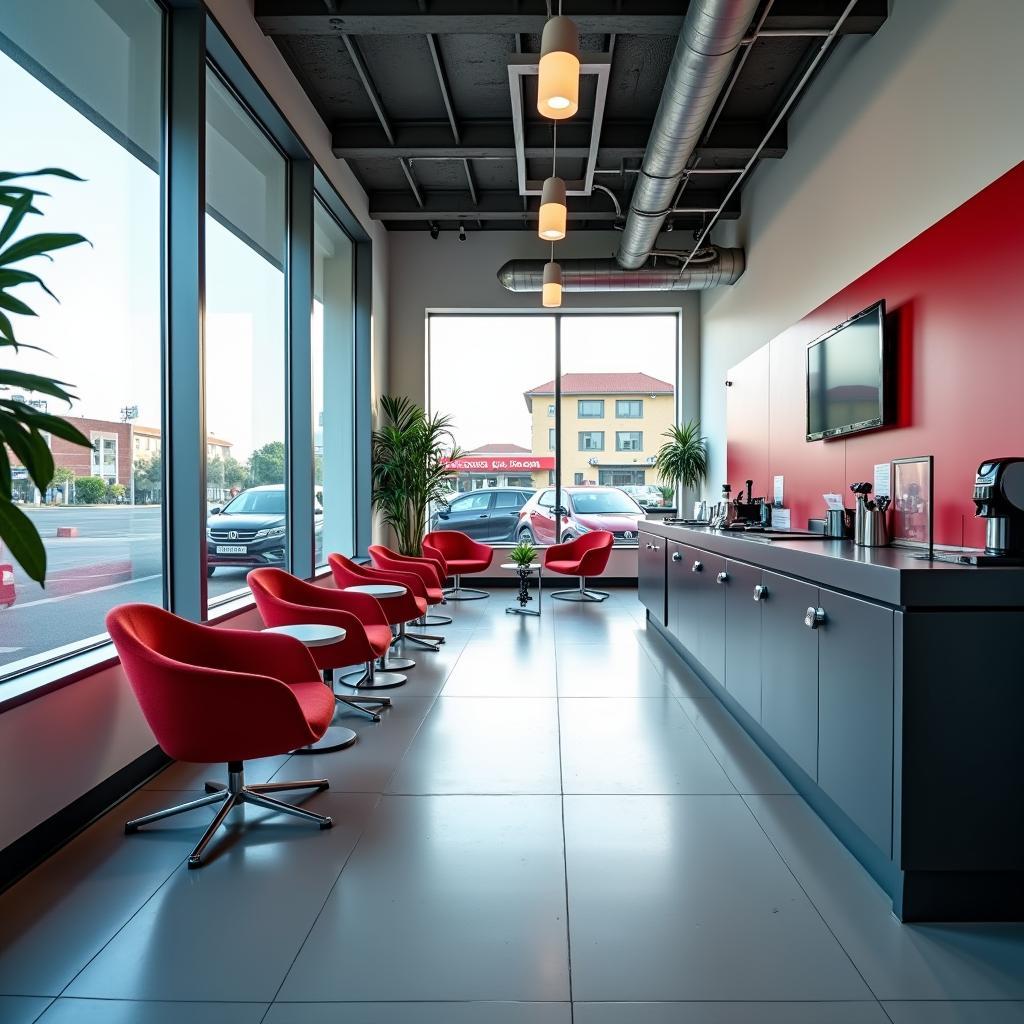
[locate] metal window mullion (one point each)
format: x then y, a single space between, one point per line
299 458
362 381
184 412
558 428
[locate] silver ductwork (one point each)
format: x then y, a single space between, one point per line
712 32
707 269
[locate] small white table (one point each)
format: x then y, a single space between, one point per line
313 634
537 567
390 674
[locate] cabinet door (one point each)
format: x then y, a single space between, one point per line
651 575
789 680
682 607
743 636
711 603
855 711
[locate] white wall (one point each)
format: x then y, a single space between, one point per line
58 747
897 131
449 274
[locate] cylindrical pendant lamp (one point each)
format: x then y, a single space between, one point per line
558 83
551 291
553 210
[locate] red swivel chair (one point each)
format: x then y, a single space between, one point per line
221 695
285 600
585 556
409 607
429 571
461 555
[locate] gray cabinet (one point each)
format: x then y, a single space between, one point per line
711 620
683 596
651 575
743 636
855 711
789 677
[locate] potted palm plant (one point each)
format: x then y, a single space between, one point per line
411 454
683 458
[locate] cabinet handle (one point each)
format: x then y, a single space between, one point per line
722 577
814 617
760 592
676 557
698 566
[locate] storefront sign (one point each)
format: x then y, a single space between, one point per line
502 463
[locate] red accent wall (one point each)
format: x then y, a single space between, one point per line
955 297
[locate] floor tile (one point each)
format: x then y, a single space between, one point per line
597 670
748 768
955 1013
680 679
230 930
862 1012
623 745
58 917
114 1011
22 1009
682 898
500 668
483 745
898 961
369 763
420 1013
446 898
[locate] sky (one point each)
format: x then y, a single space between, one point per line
480 366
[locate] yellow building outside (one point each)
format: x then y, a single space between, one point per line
612 427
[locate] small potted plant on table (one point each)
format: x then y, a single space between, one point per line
523 556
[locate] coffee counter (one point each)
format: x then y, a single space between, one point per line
887 688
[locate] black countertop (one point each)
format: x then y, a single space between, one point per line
895 576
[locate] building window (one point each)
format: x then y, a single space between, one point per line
590 408
629 408
83 84
621 477
629 440
551 439
591 440
551 409
246 224
333 369
577 479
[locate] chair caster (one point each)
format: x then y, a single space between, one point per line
194 862
326 823
215 787
129 828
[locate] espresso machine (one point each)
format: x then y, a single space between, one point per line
999 498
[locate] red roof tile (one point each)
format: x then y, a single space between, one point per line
606 384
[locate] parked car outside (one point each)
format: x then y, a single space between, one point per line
646 495
490 514
583 509
251 529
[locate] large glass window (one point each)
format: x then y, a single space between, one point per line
246 230
333 338
590 408
629 440
629 408
591 440
82 87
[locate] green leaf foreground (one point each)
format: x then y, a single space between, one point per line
21 425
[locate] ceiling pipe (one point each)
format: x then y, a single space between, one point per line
708 269
713 31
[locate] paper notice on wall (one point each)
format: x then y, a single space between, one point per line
834 501
780 519
882 470
777 494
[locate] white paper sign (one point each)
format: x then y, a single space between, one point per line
777 498
780 518
833 500
882 470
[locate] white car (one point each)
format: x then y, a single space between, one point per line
646 495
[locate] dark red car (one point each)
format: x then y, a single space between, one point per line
583 509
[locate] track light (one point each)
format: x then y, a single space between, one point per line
558 82
462 232
551 290
434 231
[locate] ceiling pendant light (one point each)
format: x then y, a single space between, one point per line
558 82
551 290
553 209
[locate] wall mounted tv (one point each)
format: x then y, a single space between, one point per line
848 377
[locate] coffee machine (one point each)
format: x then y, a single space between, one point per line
999 498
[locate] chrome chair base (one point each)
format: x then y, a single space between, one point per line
583 594
374 677
234 794
457 592
337 737
434 620
369 707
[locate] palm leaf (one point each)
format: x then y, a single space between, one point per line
39 245
683 458
23 540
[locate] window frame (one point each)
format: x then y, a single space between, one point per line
581 415
590 433
620 447
620 415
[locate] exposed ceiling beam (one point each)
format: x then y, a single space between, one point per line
731 141
407 171
442 81
507 205
471 183
645 17
371 90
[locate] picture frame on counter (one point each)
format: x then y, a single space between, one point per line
913 503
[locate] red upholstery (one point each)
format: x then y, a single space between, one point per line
462 554
584 556
285 600
219 694
437 558
392 561
410 605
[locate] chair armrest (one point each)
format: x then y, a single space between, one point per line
432 554
557 551
594 561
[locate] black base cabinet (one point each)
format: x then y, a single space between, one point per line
888 690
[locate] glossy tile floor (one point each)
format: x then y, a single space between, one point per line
554 823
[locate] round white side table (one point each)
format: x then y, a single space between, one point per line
389 674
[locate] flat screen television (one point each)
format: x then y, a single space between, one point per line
848 370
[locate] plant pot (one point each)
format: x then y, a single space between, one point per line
524 585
